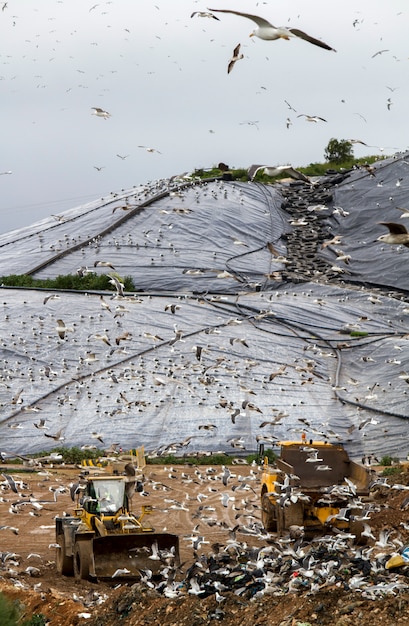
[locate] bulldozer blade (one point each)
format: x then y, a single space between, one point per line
123 556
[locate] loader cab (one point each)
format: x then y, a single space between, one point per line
105 496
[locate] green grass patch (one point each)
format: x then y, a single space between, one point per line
388 460
74 456
37 619
393 470
88 282
9 611
313 169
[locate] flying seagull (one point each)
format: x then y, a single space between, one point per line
150 149
311 118
103 264
405 212
117 284
204 14
276 170
267 31
236 57
398 235
100 112
62 329
57 437
378 52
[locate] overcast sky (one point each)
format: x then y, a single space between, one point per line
162 76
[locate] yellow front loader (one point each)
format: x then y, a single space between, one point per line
103 539
312 485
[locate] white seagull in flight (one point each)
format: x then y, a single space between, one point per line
276 170
267 31
237 55
100 112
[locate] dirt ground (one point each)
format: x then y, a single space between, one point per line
187 500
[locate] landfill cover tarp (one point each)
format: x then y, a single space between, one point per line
248 326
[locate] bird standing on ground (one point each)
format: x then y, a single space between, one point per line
268 32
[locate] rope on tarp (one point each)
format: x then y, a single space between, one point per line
118 222
338 353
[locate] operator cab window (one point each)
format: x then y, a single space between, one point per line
110 495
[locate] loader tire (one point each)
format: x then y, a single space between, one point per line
63 563
280 520
268 514
82 557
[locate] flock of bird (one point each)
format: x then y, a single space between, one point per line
267 32
108 19
224 547
125 391
149 366
193 370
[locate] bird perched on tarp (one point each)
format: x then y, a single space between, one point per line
276 170
369 168
398 235
268 32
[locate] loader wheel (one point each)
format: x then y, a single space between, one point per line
82 557
279 513
268 514
64 563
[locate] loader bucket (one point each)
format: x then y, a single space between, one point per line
132 553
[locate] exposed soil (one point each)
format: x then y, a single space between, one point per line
178 495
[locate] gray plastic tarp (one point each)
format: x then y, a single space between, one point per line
218 340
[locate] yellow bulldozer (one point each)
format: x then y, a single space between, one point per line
313 485
103 539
